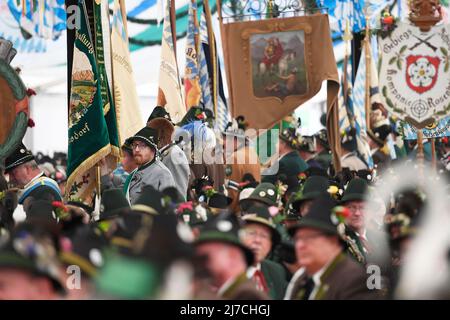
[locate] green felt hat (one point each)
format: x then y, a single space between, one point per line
356 190
319 217
265 193
314 187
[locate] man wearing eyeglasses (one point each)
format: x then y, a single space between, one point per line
326 272
261 236
150 170
354 199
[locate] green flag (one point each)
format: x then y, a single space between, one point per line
89 135
109 109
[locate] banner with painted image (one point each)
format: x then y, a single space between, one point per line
415 73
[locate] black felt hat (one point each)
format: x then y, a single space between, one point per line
314 187
159 112
219 200
380 134
20 156
193 114
148 135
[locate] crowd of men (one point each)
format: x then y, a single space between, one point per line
173 224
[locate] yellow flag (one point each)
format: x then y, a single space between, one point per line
126 100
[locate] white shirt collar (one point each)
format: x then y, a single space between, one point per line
252 269
291 285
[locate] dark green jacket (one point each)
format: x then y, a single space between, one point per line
275 276
324 159
289 165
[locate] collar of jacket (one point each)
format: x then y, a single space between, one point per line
234 285
148 164
323 288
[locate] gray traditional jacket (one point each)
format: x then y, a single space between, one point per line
153 173
177 163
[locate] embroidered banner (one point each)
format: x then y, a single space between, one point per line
415 73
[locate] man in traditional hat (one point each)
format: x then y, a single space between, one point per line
307 151
378 135
24 173
227 259
261 236
327 272
202 145
8 203
402 226
171 154
150 170
113 206
240 158
354 199
118 177
218 203
323 152
289 163
313 188
349 157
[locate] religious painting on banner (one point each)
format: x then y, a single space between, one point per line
278 64
415 73
275 65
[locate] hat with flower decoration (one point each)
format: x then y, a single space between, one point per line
314 187
261 215
192 214
355 191
236 127
291 137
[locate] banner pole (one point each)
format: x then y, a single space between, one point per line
433 153
420 153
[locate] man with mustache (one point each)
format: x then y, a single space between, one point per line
150 170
